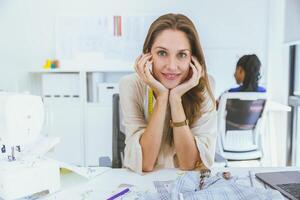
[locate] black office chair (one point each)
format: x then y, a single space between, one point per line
118 143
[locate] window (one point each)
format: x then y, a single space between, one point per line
297 71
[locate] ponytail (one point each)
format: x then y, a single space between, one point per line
251 65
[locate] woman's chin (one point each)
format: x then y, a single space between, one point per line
170 84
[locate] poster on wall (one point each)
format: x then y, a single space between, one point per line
100 41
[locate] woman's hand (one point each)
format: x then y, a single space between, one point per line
142 67
181 89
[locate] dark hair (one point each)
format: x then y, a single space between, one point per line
251 65
193 99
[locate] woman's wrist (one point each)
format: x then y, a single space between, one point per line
174 98
163 97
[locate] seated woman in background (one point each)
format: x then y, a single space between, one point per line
168 108
247 74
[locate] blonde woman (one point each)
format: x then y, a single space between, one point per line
168 106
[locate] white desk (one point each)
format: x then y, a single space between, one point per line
76 187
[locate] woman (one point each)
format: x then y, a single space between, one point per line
247 74
168 106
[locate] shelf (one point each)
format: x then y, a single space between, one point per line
77 70
80 70
55 71
78 104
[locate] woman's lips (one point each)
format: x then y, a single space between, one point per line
170 76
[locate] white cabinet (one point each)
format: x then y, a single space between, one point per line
64 120
79 112
98 133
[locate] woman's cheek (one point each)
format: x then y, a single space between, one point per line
185 66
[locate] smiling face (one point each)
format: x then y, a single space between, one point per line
171 54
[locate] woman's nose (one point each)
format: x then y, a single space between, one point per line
172 64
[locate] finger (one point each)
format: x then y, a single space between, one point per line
138 58
195 70
148 65
137 61
145 63
144 57
148 74
151 67
195 77
197 64
144 60
141 63
201 71
136 66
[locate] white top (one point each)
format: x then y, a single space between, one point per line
134 108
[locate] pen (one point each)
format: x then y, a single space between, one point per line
119 194
250 178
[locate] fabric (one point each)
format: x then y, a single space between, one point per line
134 107
217 187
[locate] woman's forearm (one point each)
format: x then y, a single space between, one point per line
152 137
185 144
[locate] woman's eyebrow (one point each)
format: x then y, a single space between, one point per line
184 50
159 47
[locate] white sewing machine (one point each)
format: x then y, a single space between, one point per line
23 169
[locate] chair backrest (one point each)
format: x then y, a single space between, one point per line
239 115
243 114
118 143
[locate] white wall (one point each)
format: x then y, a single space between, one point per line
278 77
227 30
26 39
292 21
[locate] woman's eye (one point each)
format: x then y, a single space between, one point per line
182 55
161 53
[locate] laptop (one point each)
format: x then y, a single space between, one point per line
286 182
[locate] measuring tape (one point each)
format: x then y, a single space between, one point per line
150 101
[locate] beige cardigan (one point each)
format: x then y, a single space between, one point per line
134 108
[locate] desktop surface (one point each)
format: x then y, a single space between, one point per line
104 185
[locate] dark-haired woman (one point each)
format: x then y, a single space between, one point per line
247 74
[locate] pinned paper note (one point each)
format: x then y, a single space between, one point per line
87 172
